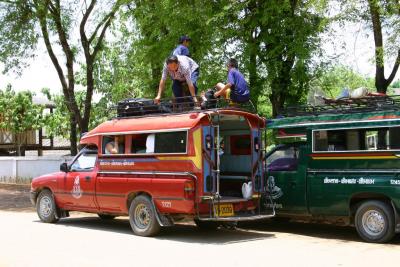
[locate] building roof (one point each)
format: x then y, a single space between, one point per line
41 99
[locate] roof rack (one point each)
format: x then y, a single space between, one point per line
141 107
346 106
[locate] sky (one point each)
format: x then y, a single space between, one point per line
351 46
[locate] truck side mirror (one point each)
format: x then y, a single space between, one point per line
64 167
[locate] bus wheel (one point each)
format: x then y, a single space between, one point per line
374 221
46 207
142 217
205 225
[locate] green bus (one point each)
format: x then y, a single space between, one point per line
340 164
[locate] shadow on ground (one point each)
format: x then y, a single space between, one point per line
16 198
325 231
187 233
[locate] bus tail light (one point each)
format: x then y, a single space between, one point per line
189 190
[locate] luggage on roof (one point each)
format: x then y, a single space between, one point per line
139 107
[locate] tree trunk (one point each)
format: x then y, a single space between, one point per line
381 83
155 77
73 135
277 98
253 76
88 99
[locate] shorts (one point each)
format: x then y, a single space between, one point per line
231 94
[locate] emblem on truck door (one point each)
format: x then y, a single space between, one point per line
76 189
273 190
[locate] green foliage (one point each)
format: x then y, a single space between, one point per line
275 50
381 18
18 114
395 84
275 54
334 79
18 37
58 122
149 31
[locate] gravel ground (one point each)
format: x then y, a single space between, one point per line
15 198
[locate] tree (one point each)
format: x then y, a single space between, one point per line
277 40
382 17
56 123
23 22
334 79
378 11
18 115
131 66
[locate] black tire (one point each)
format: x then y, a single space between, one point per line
46 207
142 217
205 225
374 221
106 216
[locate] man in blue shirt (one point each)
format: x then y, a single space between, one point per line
236 88
182 49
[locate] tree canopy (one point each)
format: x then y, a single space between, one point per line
117 48
18 115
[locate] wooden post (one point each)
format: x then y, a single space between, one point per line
40 149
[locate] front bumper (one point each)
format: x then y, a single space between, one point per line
33 195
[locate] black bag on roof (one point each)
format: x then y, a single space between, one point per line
210 101
139 107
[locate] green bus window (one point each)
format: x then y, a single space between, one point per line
363 139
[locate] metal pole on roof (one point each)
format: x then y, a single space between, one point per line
218 158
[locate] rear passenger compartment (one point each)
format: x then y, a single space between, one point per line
235 157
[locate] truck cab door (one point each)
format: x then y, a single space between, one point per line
285 169
80 181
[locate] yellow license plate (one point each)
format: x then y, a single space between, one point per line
224 210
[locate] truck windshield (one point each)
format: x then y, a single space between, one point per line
84 162
289 152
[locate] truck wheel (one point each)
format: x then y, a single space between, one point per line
142 217
374 221
106 216
46 207
205 225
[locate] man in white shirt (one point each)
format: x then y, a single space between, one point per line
182 70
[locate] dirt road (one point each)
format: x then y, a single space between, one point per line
86 240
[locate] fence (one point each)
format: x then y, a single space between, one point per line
23 169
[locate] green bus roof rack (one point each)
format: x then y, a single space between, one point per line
346 106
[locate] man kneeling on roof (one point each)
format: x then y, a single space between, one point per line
182 70
236 88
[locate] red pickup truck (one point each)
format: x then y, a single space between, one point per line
162 169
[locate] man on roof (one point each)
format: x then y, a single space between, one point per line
182 48
183 71
236 88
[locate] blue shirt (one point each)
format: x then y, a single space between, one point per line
181 50
239 90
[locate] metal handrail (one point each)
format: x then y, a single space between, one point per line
346 106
